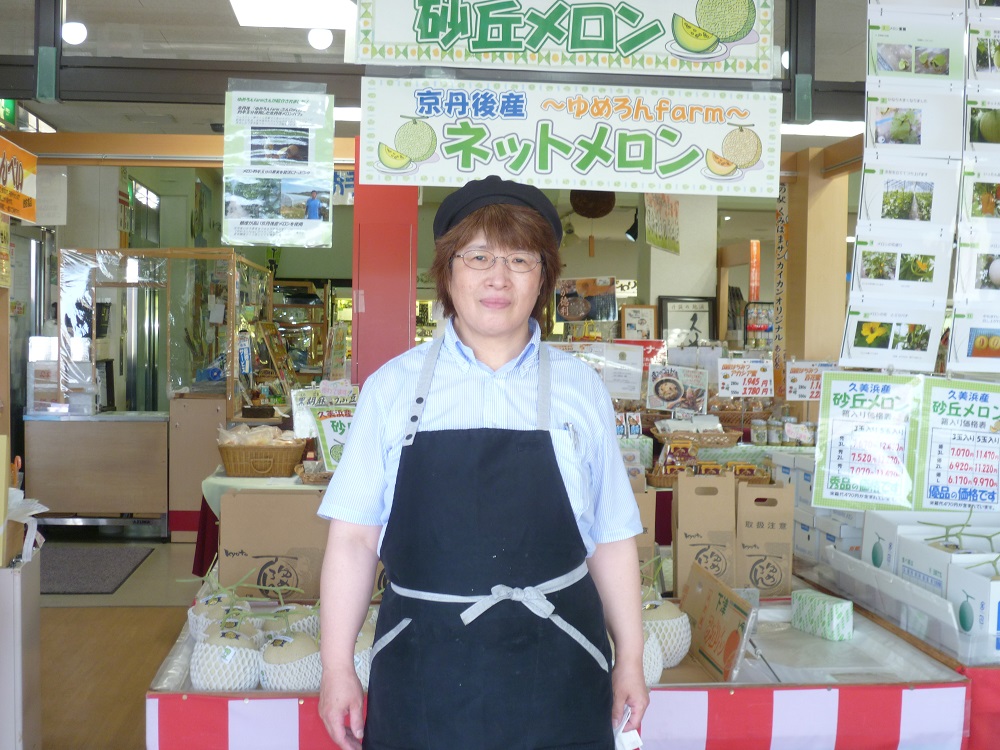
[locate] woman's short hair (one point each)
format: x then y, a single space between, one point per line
509 227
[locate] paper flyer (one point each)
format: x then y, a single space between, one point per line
653 350
702 357
803 379
333 423
916 47
865 440
586 299
278 169
672 387
746 378
982 115
305 399
975 340
921 194
888 334
959 446
662 222
977 268
914 121
623 371
911 265
984 51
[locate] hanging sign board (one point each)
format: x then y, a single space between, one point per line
746 378
18 173
563 136
278 169
803 379
710 38
4 251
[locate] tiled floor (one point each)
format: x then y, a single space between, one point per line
164 579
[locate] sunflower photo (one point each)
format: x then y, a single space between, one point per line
872 335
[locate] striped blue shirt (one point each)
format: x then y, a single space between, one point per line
466 394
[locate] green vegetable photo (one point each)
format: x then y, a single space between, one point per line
879 266
916 267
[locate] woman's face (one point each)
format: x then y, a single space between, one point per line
495 304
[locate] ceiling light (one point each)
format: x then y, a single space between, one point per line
632 233
785 59
74 32
296 14
828 128
727 217
850 240
320 38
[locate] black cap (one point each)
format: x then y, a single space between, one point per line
478 193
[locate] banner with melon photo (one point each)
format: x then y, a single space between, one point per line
712 38
564 136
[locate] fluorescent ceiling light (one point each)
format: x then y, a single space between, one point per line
74 32
828 128
347 114
320 38
785 59
296 14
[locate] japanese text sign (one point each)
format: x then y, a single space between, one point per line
562 136
743 378
718 38
18 175
803 379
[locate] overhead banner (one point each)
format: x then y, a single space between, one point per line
718 38
18 176
278 169
436 132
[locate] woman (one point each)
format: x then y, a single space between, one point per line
482 468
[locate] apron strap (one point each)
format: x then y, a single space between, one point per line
427 374
532 597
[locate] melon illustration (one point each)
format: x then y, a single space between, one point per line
729 20
392 158
742 147
416 139
719 165
693 38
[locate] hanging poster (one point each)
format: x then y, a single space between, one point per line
977 270
746 378
980 194
715 38
18 181
984 51
911 265
914 121
866 441
803 379
653 350
623 371
975 339
886 333
4 251
586 299
673 387
916 47
304 400
959 446
663 224
278 169
444 132
921 194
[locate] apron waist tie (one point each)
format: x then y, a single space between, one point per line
532 597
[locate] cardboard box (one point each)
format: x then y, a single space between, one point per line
882 529
805 537
703 526
926 564
975 594
764 537
272 538
855 518
646 500
837 528
783 467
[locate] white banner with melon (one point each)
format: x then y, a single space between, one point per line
715 38
562 136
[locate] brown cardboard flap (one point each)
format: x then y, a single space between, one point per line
721 623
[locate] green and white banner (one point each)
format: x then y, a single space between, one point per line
278 169
718 38
438 132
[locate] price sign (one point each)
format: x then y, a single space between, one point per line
746 378
803 380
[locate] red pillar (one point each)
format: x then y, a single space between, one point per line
385 274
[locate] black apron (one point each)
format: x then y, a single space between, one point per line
491 634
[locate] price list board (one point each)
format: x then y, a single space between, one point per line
959 446
865 451
746 378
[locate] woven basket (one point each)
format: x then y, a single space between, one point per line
262 460
725 439
313 477
661 480
736 419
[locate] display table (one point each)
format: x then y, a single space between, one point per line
213 488
872 693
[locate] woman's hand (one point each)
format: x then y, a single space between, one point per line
629 688
340 698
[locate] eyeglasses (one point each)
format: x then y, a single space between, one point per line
483 260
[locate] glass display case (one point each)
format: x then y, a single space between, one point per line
758 325
129 316
302 315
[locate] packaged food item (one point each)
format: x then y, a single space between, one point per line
708 468
758 431
775 431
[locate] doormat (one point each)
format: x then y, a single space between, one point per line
88 569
